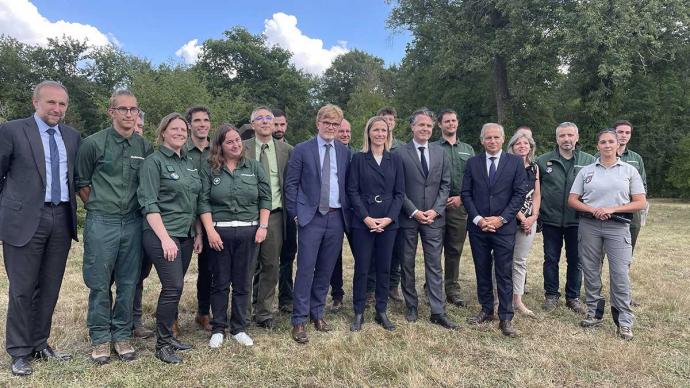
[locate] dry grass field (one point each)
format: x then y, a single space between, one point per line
552 351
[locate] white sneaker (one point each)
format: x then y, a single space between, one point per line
216 340
243 339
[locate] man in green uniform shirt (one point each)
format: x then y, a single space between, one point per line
107 166
623 130
557 171
456 216
273 156
197 148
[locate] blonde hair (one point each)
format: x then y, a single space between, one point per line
329 110
370 123
164 125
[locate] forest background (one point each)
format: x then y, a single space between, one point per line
528 62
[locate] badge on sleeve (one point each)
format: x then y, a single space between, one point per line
216 181
549 169
589 177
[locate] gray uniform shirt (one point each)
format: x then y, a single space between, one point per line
602 186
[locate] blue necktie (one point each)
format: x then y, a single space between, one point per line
55 194
492 170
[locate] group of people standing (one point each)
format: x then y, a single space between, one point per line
247 207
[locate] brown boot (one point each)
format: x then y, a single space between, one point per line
204 321
176 329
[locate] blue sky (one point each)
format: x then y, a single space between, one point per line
157 29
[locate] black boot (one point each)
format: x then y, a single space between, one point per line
357 322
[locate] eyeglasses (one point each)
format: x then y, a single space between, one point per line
330 124
123 110
259 118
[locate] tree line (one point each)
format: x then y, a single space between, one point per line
528 62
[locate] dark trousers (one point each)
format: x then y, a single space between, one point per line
171 275
491 250
553 243
146 266
203 284
287 257
394 280
233 266
267 269
337 291
35 273
373 250
319 243
453 242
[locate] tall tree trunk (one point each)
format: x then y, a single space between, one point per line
502 95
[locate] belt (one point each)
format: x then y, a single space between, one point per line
50 204
235 224
377 198
333 209
623 218
276 210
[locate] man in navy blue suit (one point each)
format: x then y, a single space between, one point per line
492 193
315 198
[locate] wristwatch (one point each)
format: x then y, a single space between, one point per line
503 220
263 226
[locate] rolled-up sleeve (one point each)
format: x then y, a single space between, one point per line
265 200
203 203
86 163
149 186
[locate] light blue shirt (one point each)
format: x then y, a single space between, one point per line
45 139
334 198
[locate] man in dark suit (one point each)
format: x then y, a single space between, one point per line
38 220
273 156
427 184
315 198
492 193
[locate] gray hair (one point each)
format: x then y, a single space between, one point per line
49 83
530 140
258 108
491 125
422 112
117 93
566 124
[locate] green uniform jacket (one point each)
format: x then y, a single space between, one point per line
109 164
555 187
237 195
458 154
170 185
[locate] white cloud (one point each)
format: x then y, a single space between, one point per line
190 51
21 20
308 53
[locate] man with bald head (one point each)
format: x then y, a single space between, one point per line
38 220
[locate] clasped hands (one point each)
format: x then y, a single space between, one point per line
602 213
377 225
426 217
490 224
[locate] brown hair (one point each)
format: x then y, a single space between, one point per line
216 159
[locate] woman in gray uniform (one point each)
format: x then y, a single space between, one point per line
605 194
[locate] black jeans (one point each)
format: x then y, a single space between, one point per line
234 265
287 258
554 237
171 275
203 284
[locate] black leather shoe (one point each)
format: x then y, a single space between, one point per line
21 366
268 324
167 355
382 319
49 354
442 320
481 318
357 322
411 314
456 301
178 345
507 329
